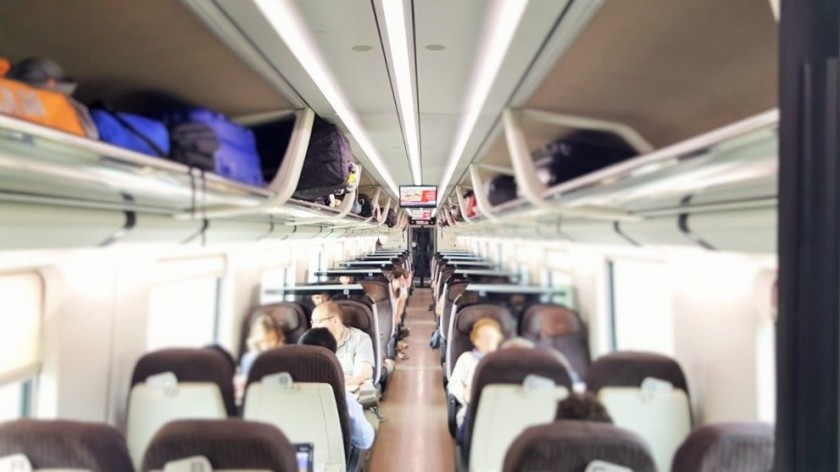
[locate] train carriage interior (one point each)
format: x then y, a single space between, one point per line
419 235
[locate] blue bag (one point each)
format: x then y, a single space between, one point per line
133 132
237 158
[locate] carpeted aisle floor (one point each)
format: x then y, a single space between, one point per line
415 438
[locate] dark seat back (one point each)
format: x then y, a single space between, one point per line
360 315
557 327
289 316
380 293
59 444
459 337
727 447
229 444
572 445
454 289
313 364
190 365
630 368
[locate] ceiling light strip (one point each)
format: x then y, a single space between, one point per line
288 24
397 33
499 30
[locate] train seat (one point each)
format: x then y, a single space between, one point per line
290 317
172 384
504 402
365 316
578 445
460 326
727 447
313 409
560 328
645 393
225 444
60 444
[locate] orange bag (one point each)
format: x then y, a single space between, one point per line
39 106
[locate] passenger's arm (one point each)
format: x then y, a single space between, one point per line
361 431
363 362
457 381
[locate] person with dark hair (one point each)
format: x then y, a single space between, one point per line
582 407
320 298
362 432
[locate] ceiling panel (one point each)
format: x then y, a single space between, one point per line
671 69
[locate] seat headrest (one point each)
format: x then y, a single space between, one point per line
376 290
572 445
227 444
286 315
190 365
456 289
543 321
356 314
304 363
630 368
63 444
727 447
468 315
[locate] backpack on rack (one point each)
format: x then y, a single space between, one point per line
236 157
366 205
501 189
328 166
579 154
133 132
37 91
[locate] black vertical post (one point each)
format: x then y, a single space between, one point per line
808 331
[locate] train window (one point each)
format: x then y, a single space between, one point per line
184 313
11 401
273 281
20 338
642 315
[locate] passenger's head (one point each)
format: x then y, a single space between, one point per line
320 298
583 407
518 343
328 315
319 337
346 280
265 334
486 335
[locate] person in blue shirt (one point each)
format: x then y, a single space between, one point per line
362 433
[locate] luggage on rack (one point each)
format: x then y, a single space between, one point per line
366 205
471 204
194 144
236 157
579 154
36 90
134 132
327 168
501 189
390 218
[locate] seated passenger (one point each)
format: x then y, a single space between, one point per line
486 335
361 431
264 334
320 298
582 407
346 280
355 348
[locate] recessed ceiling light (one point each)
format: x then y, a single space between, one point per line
435 47
362 48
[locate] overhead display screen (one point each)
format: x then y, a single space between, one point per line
418 196
420 213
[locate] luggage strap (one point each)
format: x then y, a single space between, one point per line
157 150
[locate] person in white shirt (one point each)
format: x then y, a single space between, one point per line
486 335
362 432
355 348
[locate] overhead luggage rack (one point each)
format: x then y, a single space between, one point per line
346 289
348 272
45 166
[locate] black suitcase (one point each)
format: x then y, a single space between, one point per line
501 189
367 205
580 154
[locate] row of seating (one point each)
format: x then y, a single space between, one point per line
34 445
646 394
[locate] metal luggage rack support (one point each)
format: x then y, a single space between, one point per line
45 166
575 198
